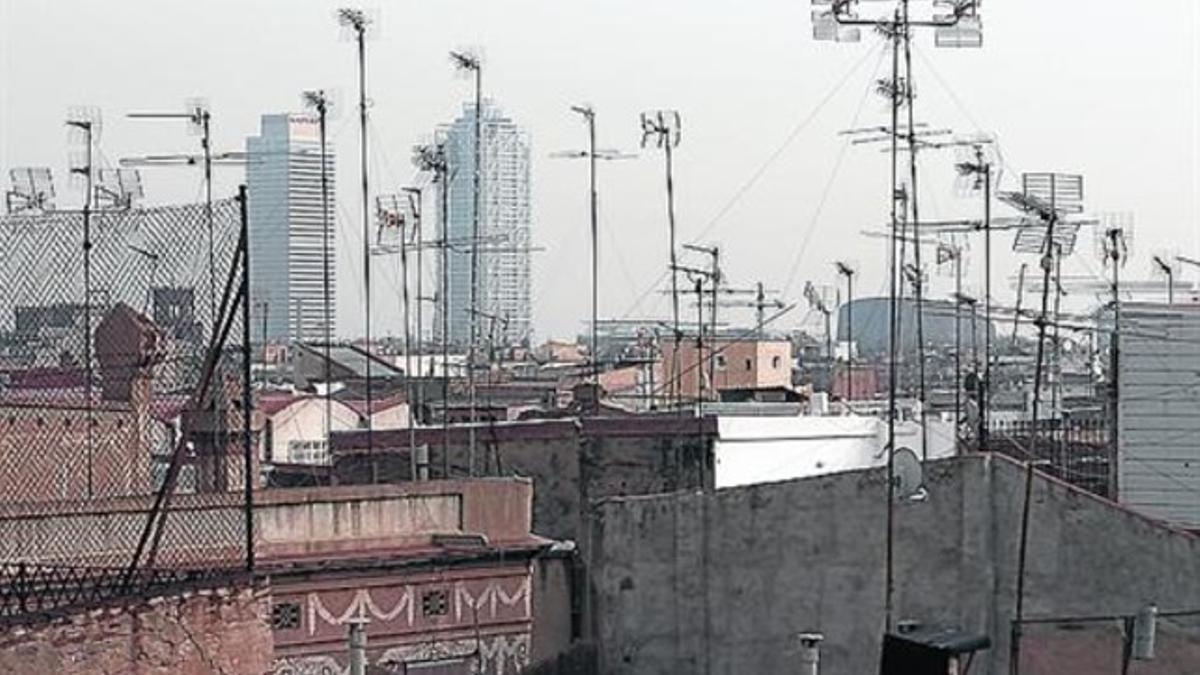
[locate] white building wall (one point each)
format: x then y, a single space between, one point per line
765 449
1158 420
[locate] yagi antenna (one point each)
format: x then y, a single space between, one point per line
663 126
1115 227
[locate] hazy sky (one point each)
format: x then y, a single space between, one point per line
1108 89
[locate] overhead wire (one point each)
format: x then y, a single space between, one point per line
758 173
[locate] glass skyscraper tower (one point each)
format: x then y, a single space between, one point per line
505 225
287 263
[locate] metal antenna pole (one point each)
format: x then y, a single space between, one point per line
86 170
676 384
958 382
318 100
419 238
357 21
471 63
716 286
916 225
1047 268
408 379
360 28
414 196
591 122
985 407
445 293
206 141
664 127
893 338
247 398
700 388
760 309
475 231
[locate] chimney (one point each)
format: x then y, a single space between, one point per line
127 346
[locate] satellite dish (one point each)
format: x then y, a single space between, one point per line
907 475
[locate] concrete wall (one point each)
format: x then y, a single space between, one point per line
203 634
722 582
570 462
289 523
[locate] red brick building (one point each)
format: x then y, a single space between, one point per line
54 445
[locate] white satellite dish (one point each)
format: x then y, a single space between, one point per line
907 475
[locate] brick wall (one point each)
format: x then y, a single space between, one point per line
218 632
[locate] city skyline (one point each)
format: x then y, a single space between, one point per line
761 169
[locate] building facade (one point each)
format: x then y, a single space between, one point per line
288 245
505 226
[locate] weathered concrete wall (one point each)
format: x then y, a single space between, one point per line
203 634
569 461
206 529
722 582
555 623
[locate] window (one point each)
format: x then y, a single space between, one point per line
776 362
308 452
434 603
749 365
285 616
720 362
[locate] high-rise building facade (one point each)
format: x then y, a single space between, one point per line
505 228
287 246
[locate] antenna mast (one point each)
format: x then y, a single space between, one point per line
469 63
320 102
356 21
836 20
663 126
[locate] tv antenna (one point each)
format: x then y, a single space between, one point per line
319 101
816 302
355 25
431 158
84 125
471 63
593 155
32 189
663 130
1048 198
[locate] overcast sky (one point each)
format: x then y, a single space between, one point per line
1106 89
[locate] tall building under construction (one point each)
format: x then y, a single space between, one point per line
283 176
505 225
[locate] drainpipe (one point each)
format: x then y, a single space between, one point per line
358 645
810 653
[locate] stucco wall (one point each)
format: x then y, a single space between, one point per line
722 582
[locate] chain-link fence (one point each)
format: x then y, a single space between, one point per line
1078 451
120 355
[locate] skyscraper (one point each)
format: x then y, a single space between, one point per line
505 225
287 250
